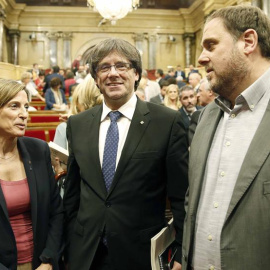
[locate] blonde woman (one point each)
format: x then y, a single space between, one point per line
171 99
85 96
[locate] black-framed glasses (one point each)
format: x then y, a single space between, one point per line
119 67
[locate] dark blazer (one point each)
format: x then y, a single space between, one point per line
50 100
182 74
153 162
193 124
46 209
156 99
185 117
48 79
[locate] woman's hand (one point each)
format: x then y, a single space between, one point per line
45 266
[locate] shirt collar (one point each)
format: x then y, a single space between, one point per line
250 96
126 110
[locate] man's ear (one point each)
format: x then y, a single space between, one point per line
250 37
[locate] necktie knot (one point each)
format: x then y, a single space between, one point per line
114 116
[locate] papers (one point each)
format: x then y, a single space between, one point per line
163 248
58 151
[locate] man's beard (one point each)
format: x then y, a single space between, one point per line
227 81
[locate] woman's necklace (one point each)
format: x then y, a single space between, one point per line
6 158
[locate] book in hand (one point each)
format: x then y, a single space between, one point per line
163 248
58 151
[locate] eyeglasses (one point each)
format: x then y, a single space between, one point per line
119 67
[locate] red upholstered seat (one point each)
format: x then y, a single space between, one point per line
44 118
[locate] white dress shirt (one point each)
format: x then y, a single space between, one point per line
127 111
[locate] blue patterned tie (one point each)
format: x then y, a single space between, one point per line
110 150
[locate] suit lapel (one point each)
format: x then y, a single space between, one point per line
257 153
138 125
92 155
31 179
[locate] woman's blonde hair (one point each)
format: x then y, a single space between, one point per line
167 101
86 94
9 89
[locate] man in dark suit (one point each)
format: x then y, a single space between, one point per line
179 73
49 77
160 97
188 99
114 208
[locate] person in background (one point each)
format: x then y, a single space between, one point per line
39 82
55 96
228 210
194 80
119 174
192 70
31 216
205 95
159 99
140 94
85 96
159 75
68 82
171 99
151 88
179 73
54 74
76 64
35 71
188 99
30 86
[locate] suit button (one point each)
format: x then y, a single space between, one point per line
108 204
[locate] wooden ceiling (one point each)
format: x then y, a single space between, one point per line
151 4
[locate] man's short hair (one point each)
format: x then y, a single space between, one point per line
120 46
160 72
237 19
185 88
55 69
163 83
55 82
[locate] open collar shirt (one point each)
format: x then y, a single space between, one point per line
231 141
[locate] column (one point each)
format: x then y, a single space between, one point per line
188 39
139 42
266 7
262 4
2 18
14 36
152 39
67 36
53 38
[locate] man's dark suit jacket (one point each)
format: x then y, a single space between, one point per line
48 79
182 73
153 163
185 117
156 99
46 208
193 124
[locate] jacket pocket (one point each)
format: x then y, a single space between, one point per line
145 155
78 228
266 188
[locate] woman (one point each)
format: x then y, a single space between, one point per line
171 99
31 214
54 96
85 96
